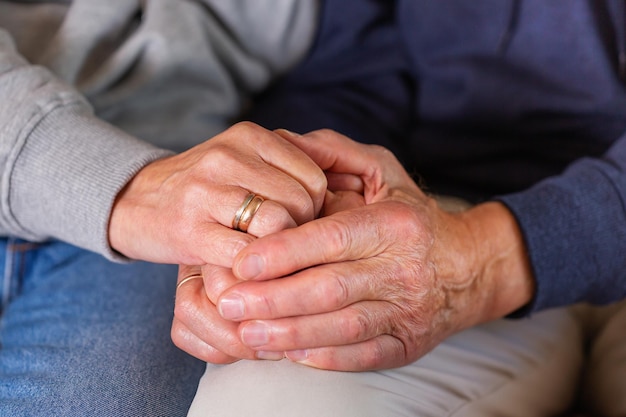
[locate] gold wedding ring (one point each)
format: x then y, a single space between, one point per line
189 278
246 212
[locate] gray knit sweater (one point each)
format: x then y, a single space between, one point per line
91 91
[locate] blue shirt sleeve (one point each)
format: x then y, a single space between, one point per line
574 225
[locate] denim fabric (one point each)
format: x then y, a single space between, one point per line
81 336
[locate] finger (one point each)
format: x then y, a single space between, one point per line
353 324
281 154
218 279
340 201
334 152
275 185
382 352
210 243
200 317
328 148
322 289
344 182
185 340
344 236
269 218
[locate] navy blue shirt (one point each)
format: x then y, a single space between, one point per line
517 100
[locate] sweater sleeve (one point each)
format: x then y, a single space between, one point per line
61 167
575 231
178 74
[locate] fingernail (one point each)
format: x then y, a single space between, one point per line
297 355
231 307
255 334
270 356
250 266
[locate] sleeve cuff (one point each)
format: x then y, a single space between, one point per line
67 175
574 228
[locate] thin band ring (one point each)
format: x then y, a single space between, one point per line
189 278
246 212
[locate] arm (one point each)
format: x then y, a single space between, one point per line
61 166
574 226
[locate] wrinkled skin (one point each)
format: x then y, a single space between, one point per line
376 282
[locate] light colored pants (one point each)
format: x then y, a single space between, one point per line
517 368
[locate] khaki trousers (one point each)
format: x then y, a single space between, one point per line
507 368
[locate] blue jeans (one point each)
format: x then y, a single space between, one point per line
82 336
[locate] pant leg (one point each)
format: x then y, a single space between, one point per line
604 387
82 336
525 368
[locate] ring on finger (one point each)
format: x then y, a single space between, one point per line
186 279
246 212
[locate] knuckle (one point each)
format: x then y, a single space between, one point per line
221 156
306 208
335 290
378 149
338 238
184 310
327 132
246 128
292 335
252 135
382 154
267 224
176 335
354 326
299 203
324 134
319 184
231 246
374 357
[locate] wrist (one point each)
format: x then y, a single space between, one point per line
500 261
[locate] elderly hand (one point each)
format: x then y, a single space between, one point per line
180 209
198 328
376 285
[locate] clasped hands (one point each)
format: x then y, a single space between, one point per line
347 265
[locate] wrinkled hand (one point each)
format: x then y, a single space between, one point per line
199 329
179 209
375 285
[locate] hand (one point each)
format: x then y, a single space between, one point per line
179 209
199 329
379 285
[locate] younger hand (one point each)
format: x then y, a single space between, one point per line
180 209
